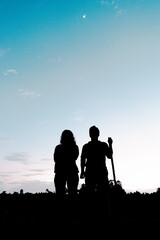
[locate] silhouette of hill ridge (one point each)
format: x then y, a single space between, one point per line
131 214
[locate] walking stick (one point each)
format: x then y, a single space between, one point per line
113 169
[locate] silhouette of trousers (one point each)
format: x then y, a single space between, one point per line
63 179
96 181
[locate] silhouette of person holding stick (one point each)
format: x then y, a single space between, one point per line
66 170
93 162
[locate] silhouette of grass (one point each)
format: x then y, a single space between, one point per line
131 215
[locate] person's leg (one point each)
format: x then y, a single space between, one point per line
104 193
60 182
72 183
90 182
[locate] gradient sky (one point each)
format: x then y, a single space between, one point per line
70 64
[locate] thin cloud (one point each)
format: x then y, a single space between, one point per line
3 51
33 186
78 117
120 12
4 175
38 170
109 2
46 159
31 174
35 172
5 140
115 6
21 157
55 60
105 2
28 94
10 71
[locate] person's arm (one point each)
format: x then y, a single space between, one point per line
55 154
55 158
83 163
110 149
76 153
82 175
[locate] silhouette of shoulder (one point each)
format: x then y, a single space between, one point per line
65 157
92 147
71 151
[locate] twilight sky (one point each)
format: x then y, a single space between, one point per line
70 64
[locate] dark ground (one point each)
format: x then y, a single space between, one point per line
131 216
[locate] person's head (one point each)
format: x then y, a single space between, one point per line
67 137
94 133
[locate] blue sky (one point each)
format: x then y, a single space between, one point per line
70 65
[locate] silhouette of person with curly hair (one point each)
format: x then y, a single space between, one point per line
66 170
93 162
